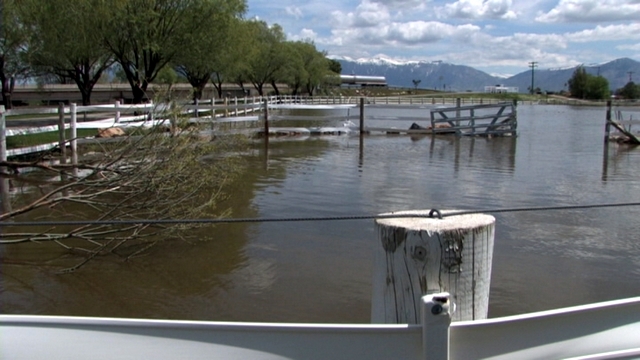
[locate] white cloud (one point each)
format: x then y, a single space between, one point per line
294 11
606 33
304 34
633 47
592 11
480 9
485 38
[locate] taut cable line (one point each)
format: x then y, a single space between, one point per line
434 213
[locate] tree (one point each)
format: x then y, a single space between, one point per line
292 71
13 42
146 35
629 91
208 52
65 39
597 88
586 86
152 176
578 83
270 55
416 82
234 59
335 66
316 66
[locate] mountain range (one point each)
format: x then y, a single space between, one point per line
450 77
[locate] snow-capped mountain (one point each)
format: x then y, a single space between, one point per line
450 77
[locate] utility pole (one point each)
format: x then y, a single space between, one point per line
630 75
532 65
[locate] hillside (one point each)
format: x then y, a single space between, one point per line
450 77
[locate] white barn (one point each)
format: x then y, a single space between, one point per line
499 89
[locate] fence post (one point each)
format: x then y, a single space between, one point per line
361 116
416 256
607 127
235 102
116 106
62 143
266 118
213 109
3 135
5 195
196 109
74 135
436 318
151 107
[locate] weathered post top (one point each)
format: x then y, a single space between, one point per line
423 255
433 223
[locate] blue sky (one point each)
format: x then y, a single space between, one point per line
496 36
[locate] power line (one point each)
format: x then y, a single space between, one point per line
433 214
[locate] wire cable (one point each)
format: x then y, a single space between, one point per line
390 215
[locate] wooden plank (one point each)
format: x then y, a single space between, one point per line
632 138
469 107
479 117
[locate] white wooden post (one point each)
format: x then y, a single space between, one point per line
3 135
62 141
213 109
235 103
436 318
417 256
196 110
5 197
151 108
74 135
116 106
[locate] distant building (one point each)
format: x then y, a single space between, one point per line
500 89
363 81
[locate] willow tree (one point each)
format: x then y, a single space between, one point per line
13 45
207 53
306 68
578 83
270 54
124 192
146 35
233 60
65 39
316 66
586 86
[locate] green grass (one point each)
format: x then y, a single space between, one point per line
19 141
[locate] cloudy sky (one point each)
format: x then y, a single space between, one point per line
496 36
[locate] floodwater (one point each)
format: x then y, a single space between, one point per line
321 271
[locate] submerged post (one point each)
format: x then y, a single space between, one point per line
266 118
361 116
62 141
74 135
422 255
5 196
607 127
3 135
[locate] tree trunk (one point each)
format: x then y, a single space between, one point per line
275 88
7 90
139 92
199 85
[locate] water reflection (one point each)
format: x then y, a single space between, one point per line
619 160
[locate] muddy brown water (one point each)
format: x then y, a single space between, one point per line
321 271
